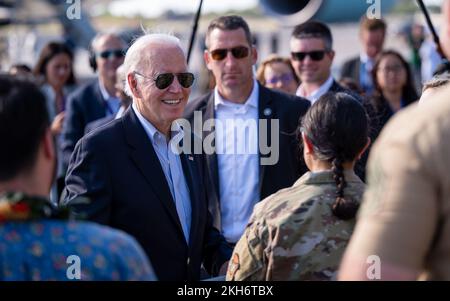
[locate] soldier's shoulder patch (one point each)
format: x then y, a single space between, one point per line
234 266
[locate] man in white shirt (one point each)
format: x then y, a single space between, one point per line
236 174
312 56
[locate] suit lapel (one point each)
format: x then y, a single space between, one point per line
211 160
146 160
189 170
101 107
266 111
212 168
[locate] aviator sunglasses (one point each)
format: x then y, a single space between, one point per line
316 55
238 52
113 53
164 80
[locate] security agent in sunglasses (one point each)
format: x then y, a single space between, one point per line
136 182
311 56
96 99
236 181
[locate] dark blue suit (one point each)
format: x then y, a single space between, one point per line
84 105
117 168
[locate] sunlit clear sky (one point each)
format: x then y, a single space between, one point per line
153 8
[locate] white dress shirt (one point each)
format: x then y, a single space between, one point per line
238 161
316 94
173 171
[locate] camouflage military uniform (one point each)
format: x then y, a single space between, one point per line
405 216
293 235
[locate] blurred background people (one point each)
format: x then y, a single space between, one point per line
405 219
20 70
301 232
393 89
276 72
54 73
372 33
37 239
96 99
125 102
312 54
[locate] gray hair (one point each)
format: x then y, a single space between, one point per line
437 81
134 58
99 36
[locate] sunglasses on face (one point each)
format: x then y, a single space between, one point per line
238 53
285 78
164 80
316 55
114 53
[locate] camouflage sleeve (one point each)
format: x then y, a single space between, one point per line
248 261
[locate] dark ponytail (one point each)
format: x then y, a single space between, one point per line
342 208
337 126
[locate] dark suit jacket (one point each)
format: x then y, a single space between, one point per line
117 168
98 123
351 69
84 105
271 105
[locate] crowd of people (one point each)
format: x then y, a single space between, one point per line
96 170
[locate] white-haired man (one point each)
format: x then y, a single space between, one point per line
96 99
137 183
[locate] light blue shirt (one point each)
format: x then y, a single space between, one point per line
365 73
238 161
173 171
112 103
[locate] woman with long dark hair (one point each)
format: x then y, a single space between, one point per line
301 232
394 88
54 73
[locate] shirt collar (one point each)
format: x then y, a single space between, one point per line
326 176
105 93
365 59
252 100
150 129
315 95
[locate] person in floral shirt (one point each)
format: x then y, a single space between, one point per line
38 240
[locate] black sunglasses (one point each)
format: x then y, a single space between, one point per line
113 53
164 80
316 55
238 52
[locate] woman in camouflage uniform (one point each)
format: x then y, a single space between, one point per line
301 232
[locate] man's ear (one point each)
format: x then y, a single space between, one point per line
254 55
364 148
307 144
332 53
207 59
132 83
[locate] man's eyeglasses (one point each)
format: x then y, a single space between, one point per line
238 52
394 69
284 78
164 80
113 53
316 55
